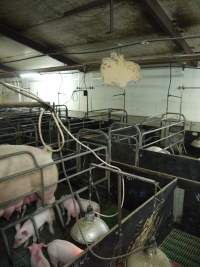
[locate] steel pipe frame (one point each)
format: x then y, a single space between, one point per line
141 135
126 174
159 129
43 208
39 168
83 124
136 137
22 105
19 133
137 210
108 113
108 149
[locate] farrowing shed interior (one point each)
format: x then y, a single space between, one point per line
99 133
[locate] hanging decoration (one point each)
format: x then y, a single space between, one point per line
116 71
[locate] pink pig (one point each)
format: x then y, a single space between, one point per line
73 207
7 212
20 207
37 257
24 232
62 252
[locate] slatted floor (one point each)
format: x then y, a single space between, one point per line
182 248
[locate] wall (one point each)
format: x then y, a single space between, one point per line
147 97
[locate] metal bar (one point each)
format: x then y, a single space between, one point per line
86 7
136 177
111 16
161 128
45 165
189 87
7 226
22 104
15 200
142 61
164 138
159 14
119 188
174 96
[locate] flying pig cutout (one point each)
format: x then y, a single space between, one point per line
116 71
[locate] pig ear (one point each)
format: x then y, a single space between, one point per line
42 245
25 232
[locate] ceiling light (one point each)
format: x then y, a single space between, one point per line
89 228
30 75
196 143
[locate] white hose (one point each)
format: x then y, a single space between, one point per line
62 142
100 159
61 126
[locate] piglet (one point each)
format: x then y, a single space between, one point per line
7 212
24 232
20 207
37 257
85 203
72 208
62 252
69 204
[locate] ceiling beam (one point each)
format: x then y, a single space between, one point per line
86 7
6 68
164 21
20 38
181 59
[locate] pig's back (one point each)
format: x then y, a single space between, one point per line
20 185
63 251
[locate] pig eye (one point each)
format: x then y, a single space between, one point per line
24 233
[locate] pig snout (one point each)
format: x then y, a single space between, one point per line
62 252
22 235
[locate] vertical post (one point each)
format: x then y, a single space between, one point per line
87 103
111 15
119 203
124 94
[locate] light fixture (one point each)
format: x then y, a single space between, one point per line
89 228
196 143
30 75
152 256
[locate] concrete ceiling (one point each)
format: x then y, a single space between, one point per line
47 31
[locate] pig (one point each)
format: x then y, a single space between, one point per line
24 184
62 252
68 205
21 206
24 232
158 149
37 257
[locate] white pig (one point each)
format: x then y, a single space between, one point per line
62 252
24 232
68 205
37 257
158 149
24 184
